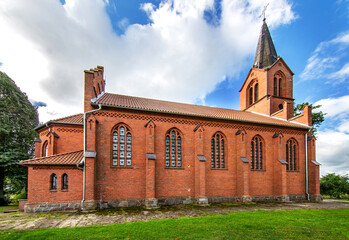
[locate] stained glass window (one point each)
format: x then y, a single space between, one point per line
257 153
173 149
291 155
217 151
122 146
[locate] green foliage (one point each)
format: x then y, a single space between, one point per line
18 118
317 117
334 185
296 224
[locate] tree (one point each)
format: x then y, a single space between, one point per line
334 185
18 118
317 117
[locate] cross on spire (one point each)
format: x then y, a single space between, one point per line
263 12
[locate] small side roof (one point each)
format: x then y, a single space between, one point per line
76 119
70 158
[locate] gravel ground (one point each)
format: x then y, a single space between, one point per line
27 221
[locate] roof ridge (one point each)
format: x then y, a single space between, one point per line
159 100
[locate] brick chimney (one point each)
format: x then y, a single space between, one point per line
94 86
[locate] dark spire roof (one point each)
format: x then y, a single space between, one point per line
265 52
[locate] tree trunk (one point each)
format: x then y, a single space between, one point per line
2 179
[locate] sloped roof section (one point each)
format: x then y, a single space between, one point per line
76 119
71 158
73 119
265 52
153 105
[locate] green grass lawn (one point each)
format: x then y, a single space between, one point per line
296 224
8 208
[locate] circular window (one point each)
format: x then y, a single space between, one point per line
281 106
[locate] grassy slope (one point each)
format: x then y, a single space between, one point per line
297 224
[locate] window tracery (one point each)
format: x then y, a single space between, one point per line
173 149
218 151
291 155
257 153
122 146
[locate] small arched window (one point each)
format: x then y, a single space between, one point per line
291 155
65 181
257 153
280 87
173 149
122 146
275 86
218 151
251 96
53 181
256 92
45 149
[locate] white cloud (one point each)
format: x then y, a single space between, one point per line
332 150
45 46
343 73
335 107
327 59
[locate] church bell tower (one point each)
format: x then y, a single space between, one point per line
268 88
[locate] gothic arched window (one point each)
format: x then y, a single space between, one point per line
251 96
280 87
257 153
122 146
64 181
53 181
45 149
256 92
279 78
217 151
173 148
291 155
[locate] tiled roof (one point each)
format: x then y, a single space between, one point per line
73 119
123 101
71 158
76 119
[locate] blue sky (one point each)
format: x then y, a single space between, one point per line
197 51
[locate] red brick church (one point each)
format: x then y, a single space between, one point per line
131 151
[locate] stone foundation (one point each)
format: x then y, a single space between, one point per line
50 207
155 203
316 198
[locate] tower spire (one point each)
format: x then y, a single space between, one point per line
265 52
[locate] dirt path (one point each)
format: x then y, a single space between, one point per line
24 221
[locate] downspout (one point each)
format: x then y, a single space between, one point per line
84 170
306 166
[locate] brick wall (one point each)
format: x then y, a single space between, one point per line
39 184
129 183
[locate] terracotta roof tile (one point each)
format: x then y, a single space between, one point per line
74 119
146 104
71 158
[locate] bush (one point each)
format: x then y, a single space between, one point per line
334 185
